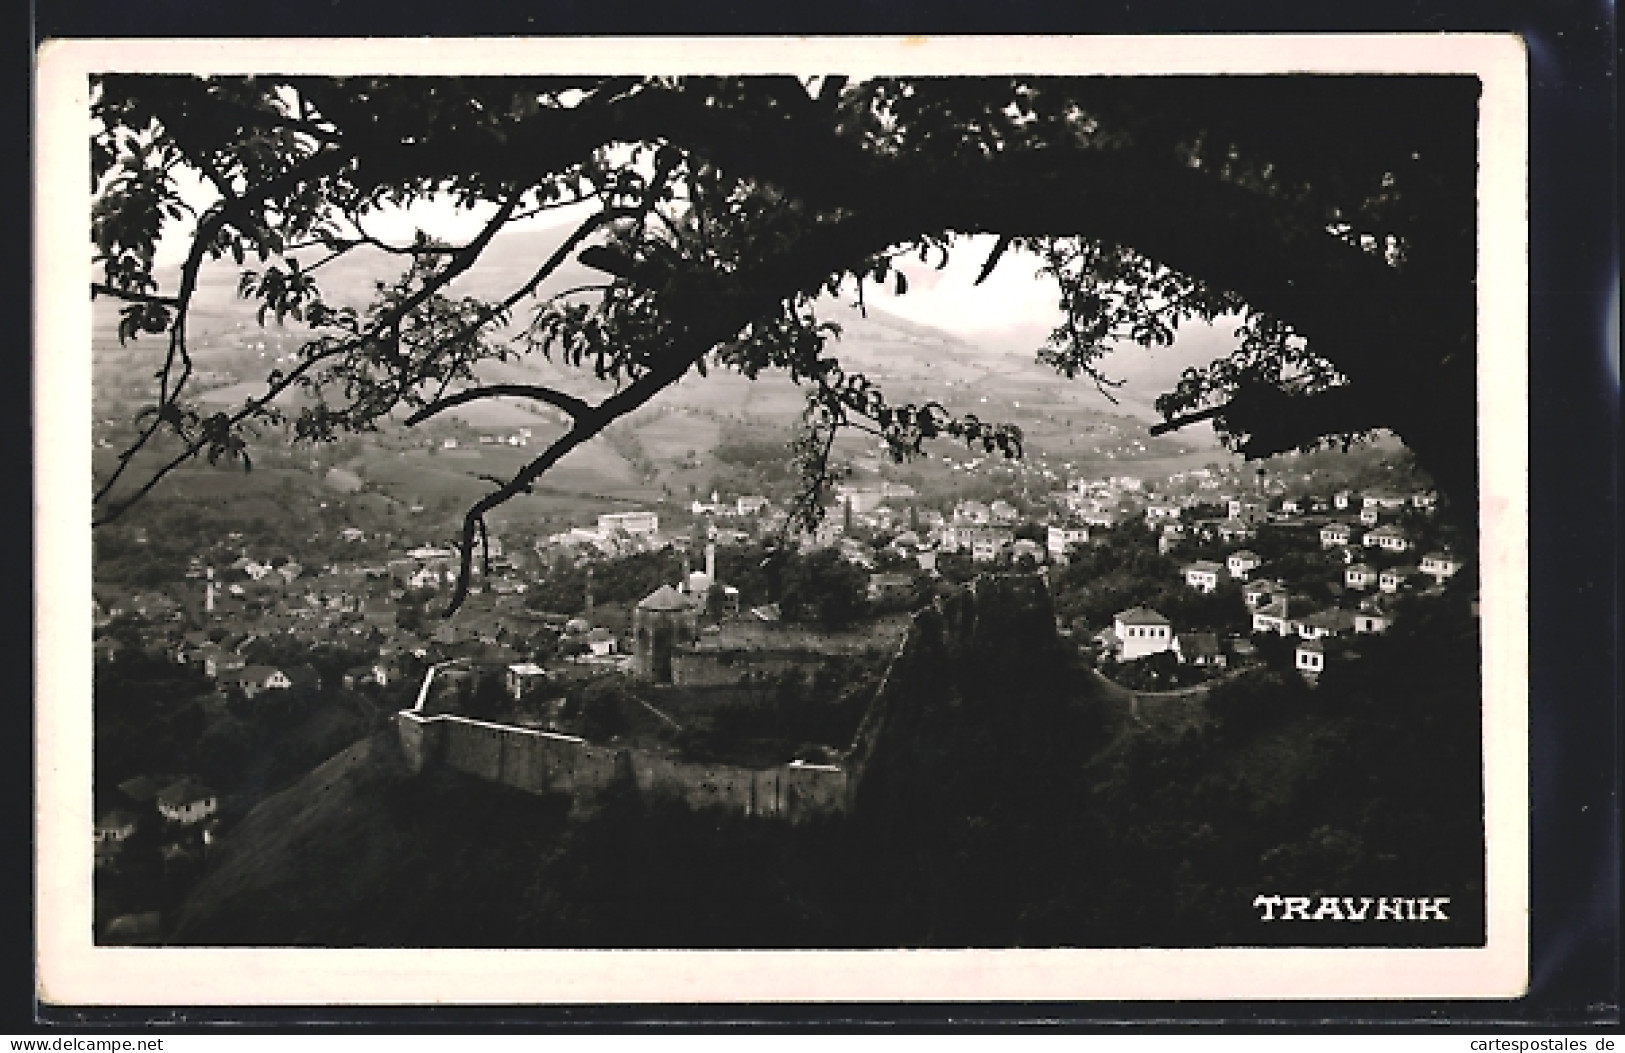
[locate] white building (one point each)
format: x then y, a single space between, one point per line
1059 538
1203 575
1334 535
1242 563
1272 617
1141 632
187 802
1311 659
1331 622
1371 618
637 524
1388 538
1395 578
1440 565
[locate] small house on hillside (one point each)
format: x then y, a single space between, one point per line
1310 659
1372 617
1199 649
1387 538
1359 576
187 801
1203 575
1259 593
252 679
1394 579
1272 617
1440 566
523 678
1141 631
117 825
1241 563
1334 535
1332 622
1060 538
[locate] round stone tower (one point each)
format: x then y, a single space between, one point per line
662 621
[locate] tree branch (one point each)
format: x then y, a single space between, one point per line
568 403
99 289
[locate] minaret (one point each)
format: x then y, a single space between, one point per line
588 613
711 561
208 591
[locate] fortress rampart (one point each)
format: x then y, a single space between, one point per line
549 762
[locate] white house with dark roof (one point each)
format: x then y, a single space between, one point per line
1310 659
1141 632
1203 575
1060 538
1369 515
115 826
1385 499
1241 563
1258 593
1395 578
1157 511
1359 576
1272 617
1331 622
1372 617
1334 535
1440 565
1387 538
253 679
187 801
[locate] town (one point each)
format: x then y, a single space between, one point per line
710 641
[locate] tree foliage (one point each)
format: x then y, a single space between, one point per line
1331 217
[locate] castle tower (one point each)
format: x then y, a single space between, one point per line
660 622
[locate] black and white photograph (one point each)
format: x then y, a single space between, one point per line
784 519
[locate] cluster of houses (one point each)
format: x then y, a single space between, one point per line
518 437
1322 631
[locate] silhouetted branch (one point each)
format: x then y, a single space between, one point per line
568 403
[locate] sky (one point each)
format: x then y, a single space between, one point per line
949 299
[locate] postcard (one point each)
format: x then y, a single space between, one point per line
782 520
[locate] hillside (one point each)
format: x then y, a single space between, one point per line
357 854
1068 426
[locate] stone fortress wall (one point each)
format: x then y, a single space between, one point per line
549 762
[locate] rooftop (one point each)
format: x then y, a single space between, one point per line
664 598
